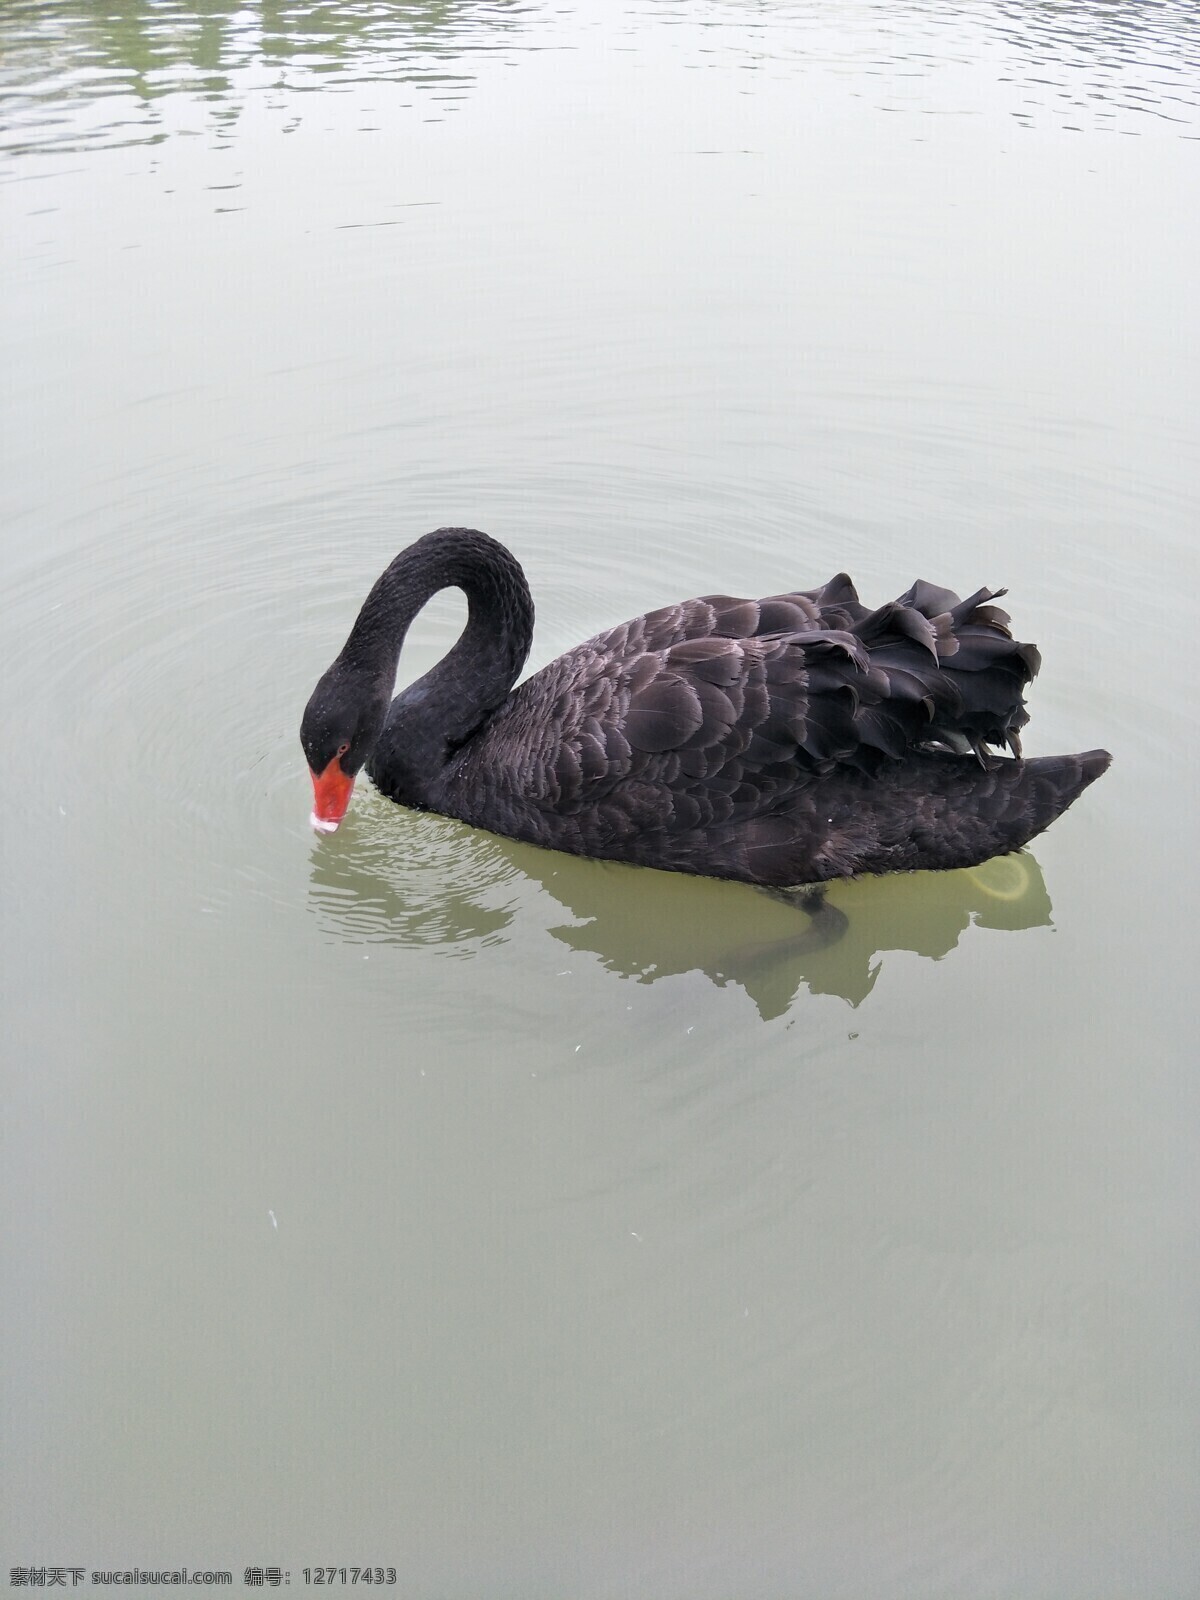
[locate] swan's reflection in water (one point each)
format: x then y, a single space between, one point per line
396 876
742 935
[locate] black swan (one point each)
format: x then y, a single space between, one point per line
781 741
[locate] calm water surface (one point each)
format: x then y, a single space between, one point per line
538 1227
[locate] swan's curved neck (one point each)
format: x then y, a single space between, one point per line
449 703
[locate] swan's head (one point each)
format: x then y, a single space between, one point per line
341 724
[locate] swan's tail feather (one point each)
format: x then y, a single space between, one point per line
1052 783
963 813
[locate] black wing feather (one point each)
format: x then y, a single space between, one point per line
752 738
812 679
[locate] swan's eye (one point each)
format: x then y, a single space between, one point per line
343 747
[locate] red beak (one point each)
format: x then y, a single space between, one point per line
331 796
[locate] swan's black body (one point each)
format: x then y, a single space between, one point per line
780 741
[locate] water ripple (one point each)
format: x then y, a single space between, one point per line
75 76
